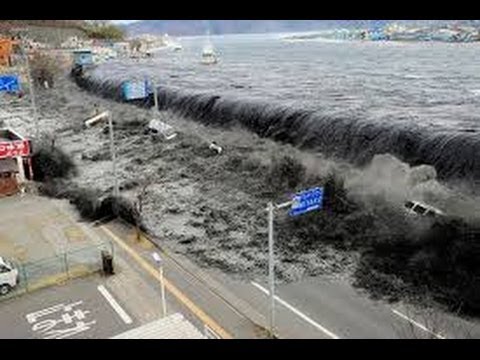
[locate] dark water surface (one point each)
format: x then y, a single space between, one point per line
419 101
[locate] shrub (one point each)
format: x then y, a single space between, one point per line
49 162
44 68
335 196
119 207
86 201
99 30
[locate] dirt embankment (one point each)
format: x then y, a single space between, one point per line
211 207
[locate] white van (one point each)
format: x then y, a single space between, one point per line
8 276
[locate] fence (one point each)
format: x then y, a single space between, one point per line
58 269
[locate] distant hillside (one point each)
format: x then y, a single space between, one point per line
46 31
6 25
199 27
57 31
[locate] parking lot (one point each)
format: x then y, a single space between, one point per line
33 228
79 309
62 291
46 242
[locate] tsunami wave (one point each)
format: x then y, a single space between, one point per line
454 154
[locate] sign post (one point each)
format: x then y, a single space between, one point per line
271 268
155 96
114 158
135 90
301 203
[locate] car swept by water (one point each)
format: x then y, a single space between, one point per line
421 209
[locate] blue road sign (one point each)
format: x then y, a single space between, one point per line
133 90
9 83
306 201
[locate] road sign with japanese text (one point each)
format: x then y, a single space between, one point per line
307 201
9 149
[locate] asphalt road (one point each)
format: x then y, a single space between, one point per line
317 308
204 302
330 308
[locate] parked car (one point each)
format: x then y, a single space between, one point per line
8 276
421 209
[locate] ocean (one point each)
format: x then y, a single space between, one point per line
354 99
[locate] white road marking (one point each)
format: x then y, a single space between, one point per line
420 326
48 329
297 312
113 303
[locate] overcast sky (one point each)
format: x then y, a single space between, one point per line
124 21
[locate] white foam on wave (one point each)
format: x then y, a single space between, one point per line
413 76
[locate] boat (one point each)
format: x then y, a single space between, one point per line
172 44
209 57
177 47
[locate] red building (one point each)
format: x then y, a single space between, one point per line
15 153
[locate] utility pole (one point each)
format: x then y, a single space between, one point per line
32 90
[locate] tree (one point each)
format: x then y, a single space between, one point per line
103 29
140 201
135 45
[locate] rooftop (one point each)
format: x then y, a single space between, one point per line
171 327
9 135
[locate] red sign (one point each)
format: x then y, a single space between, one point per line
9 149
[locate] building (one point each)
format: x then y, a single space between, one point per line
6 51
174 326
15 153
122 48
83 57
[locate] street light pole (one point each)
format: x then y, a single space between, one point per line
162 285
159 262
114 157
90 122
271 268
32 90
